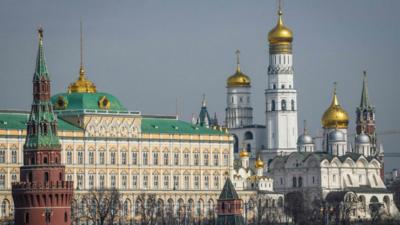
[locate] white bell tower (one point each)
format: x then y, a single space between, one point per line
280 94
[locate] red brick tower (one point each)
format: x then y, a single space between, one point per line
42 197
229 206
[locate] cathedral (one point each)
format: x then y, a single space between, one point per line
287 162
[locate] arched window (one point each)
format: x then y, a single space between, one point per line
294 182
283 105
300 181
27 218
292 104
274 86
235 144
248 135
4 207
45 160
273 105
46 177
65 217
248 147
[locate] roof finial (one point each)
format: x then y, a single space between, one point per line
81 69
203 101
237 60
40 32
305 126
280 7
334 87
364 93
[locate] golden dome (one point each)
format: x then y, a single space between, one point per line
244 153
259 163
82 85
280 33
238 79
335 116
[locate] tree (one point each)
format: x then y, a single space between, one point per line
99 206
395 188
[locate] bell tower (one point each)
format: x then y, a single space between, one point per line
42 196
280 94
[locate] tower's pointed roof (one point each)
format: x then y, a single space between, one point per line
41 68
364 94
204 116
228 192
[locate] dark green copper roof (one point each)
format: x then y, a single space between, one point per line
18 121
174 126
80 101
228 192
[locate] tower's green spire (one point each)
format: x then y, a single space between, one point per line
228 192
364 94
41 68
42 123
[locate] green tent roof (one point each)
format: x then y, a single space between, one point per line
228 192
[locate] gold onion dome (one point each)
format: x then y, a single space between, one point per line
335 116
238 79
244 153
280 33
259 163
82 85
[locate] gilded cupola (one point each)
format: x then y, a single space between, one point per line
335 116
238 79
280 34
244 153
82 85
259 163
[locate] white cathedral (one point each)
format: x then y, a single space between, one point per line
323 170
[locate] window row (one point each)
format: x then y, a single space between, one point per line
283 107
156 158
3 158
161 182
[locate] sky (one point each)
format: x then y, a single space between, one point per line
151 54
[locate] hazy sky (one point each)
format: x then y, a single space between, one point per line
150 53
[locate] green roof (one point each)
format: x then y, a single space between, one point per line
79 101
174 126
17 121
228 192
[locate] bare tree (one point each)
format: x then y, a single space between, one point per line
99 206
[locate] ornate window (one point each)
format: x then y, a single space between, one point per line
155 181
2 181
166 159
206 159
226 159
176 182
112 158
206 182
176 159
186 182
294 182
102 158
134 181
273 105
123 158
91 181
216 159
166 181
102 181
14 156
113 181
91 157
216 182
145 158
80 157
134 158
186 159
124 182
155 158
69 157
196 159
79 178
283 105
145 181
196 182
